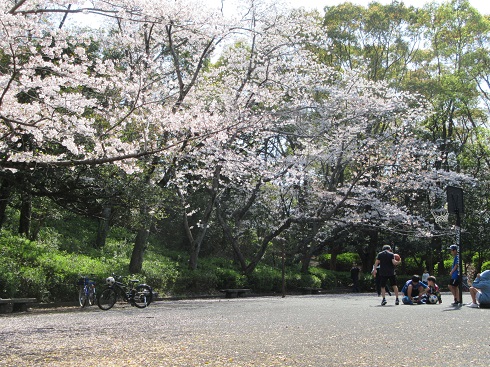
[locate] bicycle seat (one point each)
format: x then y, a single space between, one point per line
134 281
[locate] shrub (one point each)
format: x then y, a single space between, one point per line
265 279
200 281
324 260
310 281
485 266
344 261
410 266
343 279
160 273
366 282
229 278
328 280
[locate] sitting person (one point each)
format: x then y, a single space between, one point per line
432 289
480 290
413 290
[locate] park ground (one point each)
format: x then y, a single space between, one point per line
315 330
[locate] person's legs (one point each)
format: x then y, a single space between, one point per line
388 290
394 285
454 288
451 289
383 290
456 293
473 292
475 295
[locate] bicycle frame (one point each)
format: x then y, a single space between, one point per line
121 291
86 286
126 292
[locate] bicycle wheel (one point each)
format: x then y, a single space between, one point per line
143 296
107 299
82 297
91 296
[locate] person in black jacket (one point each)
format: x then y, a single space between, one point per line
386 261
354 274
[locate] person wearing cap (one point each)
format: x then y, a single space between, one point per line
386 261
454 282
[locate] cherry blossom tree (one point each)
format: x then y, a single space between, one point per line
240 109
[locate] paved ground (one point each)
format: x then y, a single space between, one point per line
319 330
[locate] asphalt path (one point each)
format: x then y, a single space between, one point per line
317 330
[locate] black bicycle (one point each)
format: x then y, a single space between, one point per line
140 295
86 291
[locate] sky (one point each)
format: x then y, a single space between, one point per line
483 6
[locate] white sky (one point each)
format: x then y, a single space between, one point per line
483 6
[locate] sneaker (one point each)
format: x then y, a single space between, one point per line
455 304
397 302
383 302
473 305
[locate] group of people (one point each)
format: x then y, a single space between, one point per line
426 290
417 291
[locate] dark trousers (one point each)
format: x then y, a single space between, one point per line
377 280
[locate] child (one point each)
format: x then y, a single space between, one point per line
413 291
432 288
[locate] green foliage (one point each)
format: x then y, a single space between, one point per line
199 281
59 233
229 278
266 279
324 260
485 266
410 266
161 273
40 270
48 270
327 278
344 261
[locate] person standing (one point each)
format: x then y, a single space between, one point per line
354 274
425 276
387 262
377 282
454 282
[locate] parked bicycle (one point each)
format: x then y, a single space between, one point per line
86 291
140 295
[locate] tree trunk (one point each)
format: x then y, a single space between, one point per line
103 228
25 215
5 191
196 241
140 245
333 257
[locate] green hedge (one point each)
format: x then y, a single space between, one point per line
42 270
344 261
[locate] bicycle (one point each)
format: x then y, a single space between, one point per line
86 291
140 295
